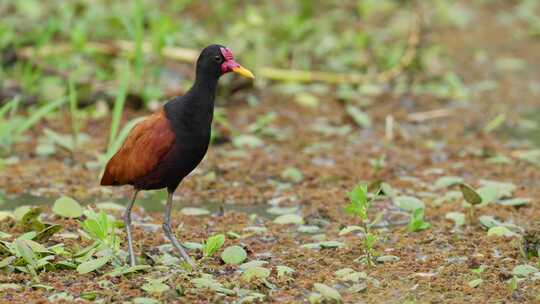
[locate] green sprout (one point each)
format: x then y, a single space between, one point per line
359 205
213 244
417 222
102 230
473 198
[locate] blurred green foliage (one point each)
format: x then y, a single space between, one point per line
338 36
342 36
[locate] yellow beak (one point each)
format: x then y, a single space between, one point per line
244 72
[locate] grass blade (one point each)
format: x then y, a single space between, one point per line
73 112
119 106
37 115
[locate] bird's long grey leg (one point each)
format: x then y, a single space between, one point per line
170 234
127 223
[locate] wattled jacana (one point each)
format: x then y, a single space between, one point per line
165 147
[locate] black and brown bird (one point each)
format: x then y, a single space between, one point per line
165 147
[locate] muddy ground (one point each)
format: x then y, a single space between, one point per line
434 265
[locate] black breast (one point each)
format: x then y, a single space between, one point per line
191 122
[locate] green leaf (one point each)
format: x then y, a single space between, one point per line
192 246
524 270
247 141
143 300
369 240
488 221
155 286
93 264
254 263
30 220
447 181
42 286
475 283
233 255
194 211
4 215
513 283
470 195
359 203
350 275
6 286
292 175
20 211
387 258
110 206
328 292
282 210
495 123
284 270
360 117
324 244
7 261
408 203
489 194
457 217
417 222
289 219
123 270
505 189
514 202
359 193
306 99
311 229
4 235
207 282
500 231
255 272
45 234
67 207
350 229
213 244
25 251
89 295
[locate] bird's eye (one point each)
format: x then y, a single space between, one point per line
217 58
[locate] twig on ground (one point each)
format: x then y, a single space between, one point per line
189 55
428 115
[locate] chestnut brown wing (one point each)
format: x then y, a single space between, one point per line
143 149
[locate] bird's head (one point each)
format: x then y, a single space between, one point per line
218 60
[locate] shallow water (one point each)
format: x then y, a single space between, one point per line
150 203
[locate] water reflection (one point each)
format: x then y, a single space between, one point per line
150 203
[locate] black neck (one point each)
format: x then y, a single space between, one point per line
204 87
194 109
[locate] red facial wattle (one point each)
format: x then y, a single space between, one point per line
229 65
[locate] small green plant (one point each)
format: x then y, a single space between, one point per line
359 205
26 253
101 228
213 244
473 198
417 222
478 276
